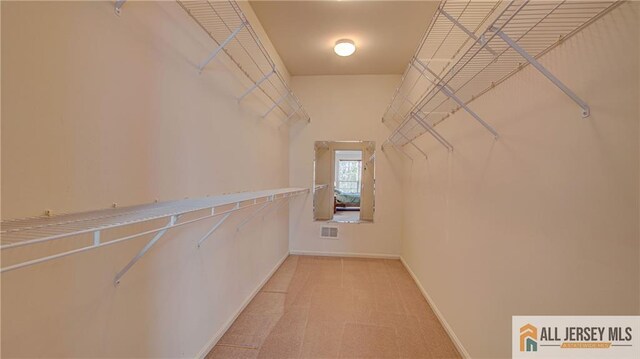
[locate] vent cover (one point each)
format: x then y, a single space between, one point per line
329 232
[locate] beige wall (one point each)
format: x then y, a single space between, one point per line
100 109
346 108
544 220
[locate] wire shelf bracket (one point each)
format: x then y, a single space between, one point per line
414 145
480 40
255 214
449 92
409 141
398 148
532 60
172 221
276 104
461 103
293 113
268 203
433 132
256 85
216 226
221 46
118 6
276 207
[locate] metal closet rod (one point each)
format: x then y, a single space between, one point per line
96 243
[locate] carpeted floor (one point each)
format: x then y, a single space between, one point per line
328 307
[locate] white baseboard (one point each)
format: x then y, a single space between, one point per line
214 340
452 335
345 254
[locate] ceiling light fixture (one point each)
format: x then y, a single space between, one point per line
344 47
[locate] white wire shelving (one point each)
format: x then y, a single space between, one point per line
228 27
90 227
472 46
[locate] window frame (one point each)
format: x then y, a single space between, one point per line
358 182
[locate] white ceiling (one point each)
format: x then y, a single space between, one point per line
386 34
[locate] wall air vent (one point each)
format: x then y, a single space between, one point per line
329 232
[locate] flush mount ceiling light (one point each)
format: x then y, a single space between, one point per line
344 47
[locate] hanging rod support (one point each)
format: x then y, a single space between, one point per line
433 132
292 113
172 221
257 84
118 6
532 60
282 201
255 214
221 46
398 148
438 83
480 40
416 147
217 225
276 104
455 98
451 94
412 144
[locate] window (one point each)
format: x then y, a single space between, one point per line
348 179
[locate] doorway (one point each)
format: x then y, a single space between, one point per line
344 181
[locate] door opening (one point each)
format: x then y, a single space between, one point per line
344 181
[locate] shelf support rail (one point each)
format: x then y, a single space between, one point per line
481 40
532 60
398 132
172 221
284 199
275 208
255 214
451 94
118 6
397 148
292 113
276 104
257 84
455 98
222 46
217 225
433 132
